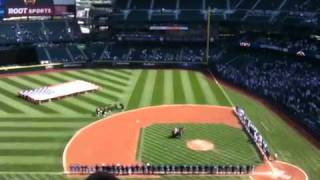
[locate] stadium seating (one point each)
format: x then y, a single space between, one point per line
117 52
140 4
30 32
191 16
77 53
191 4
138 16
8 33
216 4
165 4
242 10
95 50
273 77
163 16
310 47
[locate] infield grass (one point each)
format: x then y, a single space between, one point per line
231 145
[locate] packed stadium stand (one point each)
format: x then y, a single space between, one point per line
47 31
272 76
284 11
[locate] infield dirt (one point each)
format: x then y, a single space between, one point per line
114 140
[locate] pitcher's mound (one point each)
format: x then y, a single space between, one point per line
200 145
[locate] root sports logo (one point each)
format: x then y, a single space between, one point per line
29 8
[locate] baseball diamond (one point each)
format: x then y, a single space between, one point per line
34 137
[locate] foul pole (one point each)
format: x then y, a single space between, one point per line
208 35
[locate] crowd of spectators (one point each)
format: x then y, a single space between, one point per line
146 53
120 53
197 34
299 46
26 32
291 83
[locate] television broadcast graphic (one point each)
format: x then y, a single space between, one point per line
29 8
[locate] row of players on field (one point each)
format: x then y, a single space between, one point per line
109 109
163 169
254 133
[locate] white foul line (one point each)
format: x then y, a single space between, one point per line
222 90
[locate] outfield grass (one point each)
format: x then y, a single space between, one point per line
231 145
51 125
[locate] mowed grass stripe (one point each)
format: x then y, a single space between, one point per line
25 139
205 87
30 85
46 120
136 95
43 167
31 152
106 94
29 159
39 176
148 88
219 96
187 88
36 167
197 90
108 87
42 124
20 104
33 145
168 87
115 73
6 107
53 77
33 80
100 79
158 90
127 72
71 103
41 80
9 94
37 133
36 129
112 90
62 105
104 78
179 96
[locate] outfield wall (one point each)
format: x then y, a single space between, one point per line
17 69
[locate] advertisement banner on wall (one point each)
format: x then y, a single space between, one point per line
16 8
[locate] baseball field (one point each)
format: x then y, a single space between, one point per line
33 137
